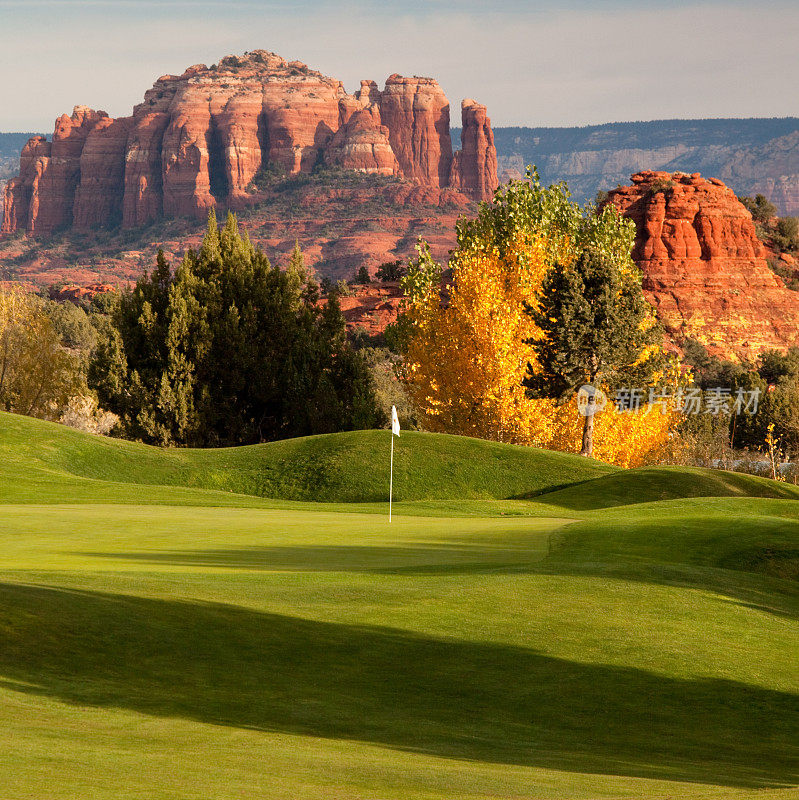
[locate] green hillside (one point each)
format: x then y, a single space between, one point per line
42 461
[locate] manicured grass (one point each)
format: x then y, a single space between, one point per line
173 642
664 483
41 461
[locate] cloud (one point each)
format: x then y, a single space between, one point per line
532 64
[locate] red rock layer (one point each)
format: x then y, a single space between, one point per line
21 194
704 267
98 197
75 293
416 113
198 140
371 308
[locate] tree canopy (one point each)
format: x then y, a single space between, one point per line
596 328
38 375
230 350
468 343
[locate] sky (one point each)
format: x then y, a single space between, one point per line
532 63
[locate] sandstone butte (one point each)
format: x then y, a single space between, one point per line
705 270
198 140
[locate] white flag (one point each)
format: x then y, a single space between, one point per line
395 429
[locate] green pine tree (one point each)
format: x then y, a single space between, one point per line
598 329
229 350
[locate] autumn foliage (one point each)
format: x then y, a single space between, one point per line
38 376
468 341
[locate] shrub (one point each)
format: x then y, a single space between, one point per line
786 234
661 186
759 207
362 276
784 272
83 414
228 350
391 271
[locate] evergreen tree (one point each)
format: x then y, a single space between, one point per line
230 350
597 329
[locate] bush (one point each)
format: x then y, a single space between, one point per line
389 390
83 414
362 276
71 323
37 374
267 177
784 272
391 271
661 186
343 288
759 207
229 350
786 234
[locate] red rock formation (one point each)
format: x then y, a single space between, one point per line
14 203
143 200
199 139
416 113
98 198
362 143
21 196
60 177
74 293
474 168
371 308
19 192
704 267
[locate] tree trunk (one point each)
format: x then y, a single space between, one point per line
588 435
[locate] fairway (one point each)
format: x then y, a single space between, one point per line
614 635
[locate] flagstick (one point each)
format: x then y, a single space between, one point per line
391 480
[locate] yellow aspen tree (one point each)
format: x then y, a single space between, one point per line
467 342
466 359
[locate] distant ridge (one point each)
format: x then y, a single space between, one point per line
750 155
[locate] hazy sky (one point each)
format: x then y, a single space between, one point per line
532 63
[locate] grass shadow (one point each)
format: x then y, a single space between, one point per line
756 590
435 558
495 703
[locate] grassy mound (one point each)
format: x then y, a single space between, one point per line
654 484
42 461
749 534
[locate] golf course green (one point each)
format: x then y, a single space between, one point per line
245 623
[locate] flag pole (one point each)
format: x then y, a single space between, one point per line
391 479
395 431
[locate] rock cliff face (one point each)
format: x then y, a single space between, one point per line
41 199
198 140
704 268
416 113
474 167
362 143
